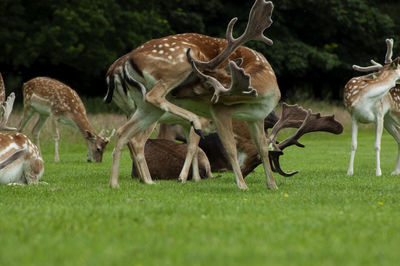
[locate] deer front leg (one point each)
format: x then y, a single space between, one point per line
56 136
354 132
222 118
378 137
260 140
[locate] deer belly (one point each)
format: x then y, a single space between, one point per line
364 114
13 173
257 110
41 105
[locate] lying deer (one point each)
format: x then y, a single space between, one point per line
52 98
375 98
192 75
165 159
292 116
20 160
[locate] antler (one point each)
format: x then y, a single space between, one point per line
240 84
296 117
376 66
2 89
104 132
259 20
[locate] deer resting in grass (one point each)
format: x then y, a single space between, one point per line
165 159
52 98
293 116
375 98
192 75
20 160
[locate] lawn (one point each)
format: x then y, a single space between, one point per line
320 216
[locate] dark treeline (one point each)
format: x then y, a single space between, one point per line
315 42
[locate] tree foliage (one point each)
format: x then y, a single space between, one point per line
315 42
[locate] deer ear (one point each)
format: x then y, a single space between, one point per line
395 63
90 136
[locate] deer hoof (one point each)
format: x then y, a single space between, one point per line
112 185
396 172
273 186
181 180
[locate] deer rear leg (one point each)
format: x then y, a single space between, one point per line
394 130
354 132
56 136
191 157
222 118
260 140
141 120
27 115
138 143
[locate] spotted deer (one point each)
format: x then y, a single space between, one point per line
20 160
51 98
192 75
375 98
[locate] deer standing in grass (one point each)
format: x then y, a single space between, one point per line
20 160
375 98
52 98
191 75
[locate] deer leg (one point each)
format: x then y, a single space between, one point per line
28 113
260 140
394 130
157 97
354 132
56 136
141 120
191 157
37 128
378 137
222 118
139 142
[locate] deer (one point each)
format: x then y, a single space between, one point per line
165 159
292 116
191 76
53 99
20 160
375 98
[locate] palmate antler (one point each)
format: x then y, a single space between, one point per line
294 116
376 66
5 107
259 20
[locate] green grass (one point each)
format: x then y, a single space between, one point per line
320 216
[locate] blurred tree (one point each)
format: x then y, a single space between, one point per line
315 42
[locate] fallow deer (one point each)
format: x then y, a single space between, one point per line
51 98
20 160
165 159
191 75
375 98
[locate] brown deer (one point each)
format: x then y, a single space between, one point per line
166 158
375 98
292 116
191 75
51 98
20 160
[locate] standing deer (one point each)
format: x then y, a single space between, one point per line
20 160
191 75
375 98
52 98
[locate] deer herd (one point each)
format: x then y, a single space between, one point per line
214 94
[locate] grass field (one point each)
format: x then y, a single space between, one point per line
320 216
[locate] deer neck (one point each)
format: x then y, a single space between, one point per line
82 123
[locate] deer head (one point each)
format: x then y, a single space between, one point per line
259 20
97 145
294 116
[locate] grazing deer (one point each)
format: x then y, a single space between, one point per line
20 160
165 159
293 116
191 75
52 98
375 98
